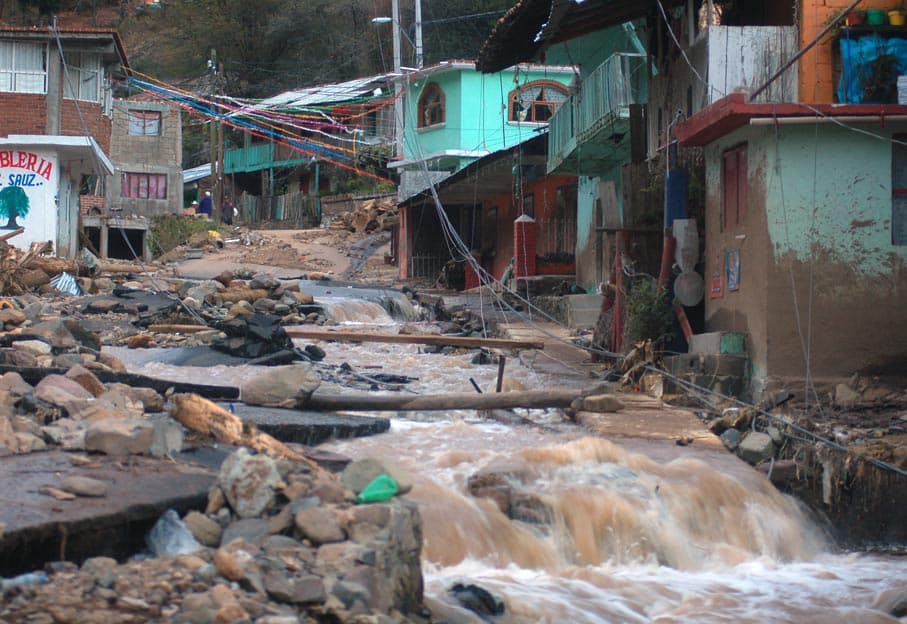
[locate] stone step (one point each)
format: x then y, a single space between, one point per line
583 310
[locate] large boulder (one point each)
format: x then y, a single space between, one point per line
119 436
248 482
281 386
756 447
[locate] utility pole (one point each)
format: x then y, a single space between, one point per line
216 139
398 88
418 20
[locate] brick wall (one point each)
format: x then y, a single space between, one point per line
22 113
26 113
816 67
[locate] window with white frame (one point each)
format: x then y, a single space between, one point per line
144 123
536 101
83 76
23 67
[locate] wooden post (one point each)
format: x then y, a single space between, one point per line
502 361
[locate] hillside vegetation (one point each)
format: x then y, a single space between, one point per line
267 46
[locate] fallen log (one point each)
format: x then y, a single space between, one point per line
203 416
453 341
436 402
172 328
9 235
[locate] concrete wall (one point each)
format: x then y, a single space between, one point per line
476 113
146 154
819 272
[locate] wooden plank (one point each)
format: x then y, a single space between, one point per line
436 402
170 328
454 341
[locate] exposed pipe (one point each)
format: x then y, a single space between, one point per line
785 121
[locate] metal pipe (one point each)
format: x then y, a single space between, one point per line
785 121
418 19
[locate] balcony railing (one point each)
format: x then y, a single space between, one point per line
252 158
604 97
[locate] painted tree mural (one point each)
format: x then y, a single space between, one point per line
13 204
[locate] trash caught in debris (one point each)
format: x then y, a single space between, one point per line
66 283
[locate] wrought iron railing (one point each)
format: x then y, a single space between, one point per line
605 95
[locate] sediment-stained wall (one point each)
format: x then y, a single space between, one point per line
820 280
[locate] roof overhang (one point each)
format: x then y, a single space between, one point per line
532 25
68 147
436 157
732 112
489 176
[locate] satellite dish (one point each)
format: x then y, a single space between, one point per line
689 288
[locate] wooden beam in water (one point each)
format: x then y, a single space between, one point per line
435 402
427 339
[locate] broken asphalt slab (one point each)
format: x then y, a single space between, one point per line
308 427
39 527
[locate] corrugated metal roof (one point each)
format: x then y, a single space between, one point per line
196 173
329 93
531 25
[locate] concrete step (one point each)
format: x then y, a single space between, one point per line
583 310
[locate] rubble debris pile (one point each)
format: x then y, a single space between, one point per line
277 543
373 215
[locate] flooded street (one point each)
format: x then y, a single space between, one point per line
567 527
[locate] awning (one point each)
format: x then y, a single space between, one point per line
70 148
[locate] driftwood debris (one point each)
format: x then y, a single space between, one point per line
172 328
427 339
203 416
436 402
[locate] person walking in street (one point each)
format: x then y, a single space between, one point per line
204 206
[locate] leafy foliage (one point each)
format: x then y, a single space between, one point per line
649 313
170 231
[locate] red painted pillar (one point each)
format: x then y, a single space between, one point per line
524 237
472 277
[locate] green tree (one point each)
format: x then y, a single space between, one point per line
13 203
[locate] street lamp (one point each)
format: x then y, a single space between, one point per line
417 46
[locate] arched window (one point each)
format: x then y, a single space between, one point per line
431 106
536 101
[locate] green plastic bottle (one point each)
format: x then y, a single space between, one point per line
381 488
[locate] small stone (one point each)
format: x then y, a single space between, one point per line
602 403
205 530
320 525
250 530
241 308
141 341
231 613
9 316
112 362
32 347
227 565
281 386
308 589
731 439
755 447
13 383
103 305
86 379
84 486
216 501
167 437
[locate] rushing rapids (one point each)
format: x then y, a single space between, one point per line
618 536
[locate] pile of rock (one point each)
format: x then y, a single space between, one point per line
370 216
277 544
77 412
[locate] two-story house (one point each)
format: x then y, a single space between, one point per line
55 122
795 118
146 147
474 139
